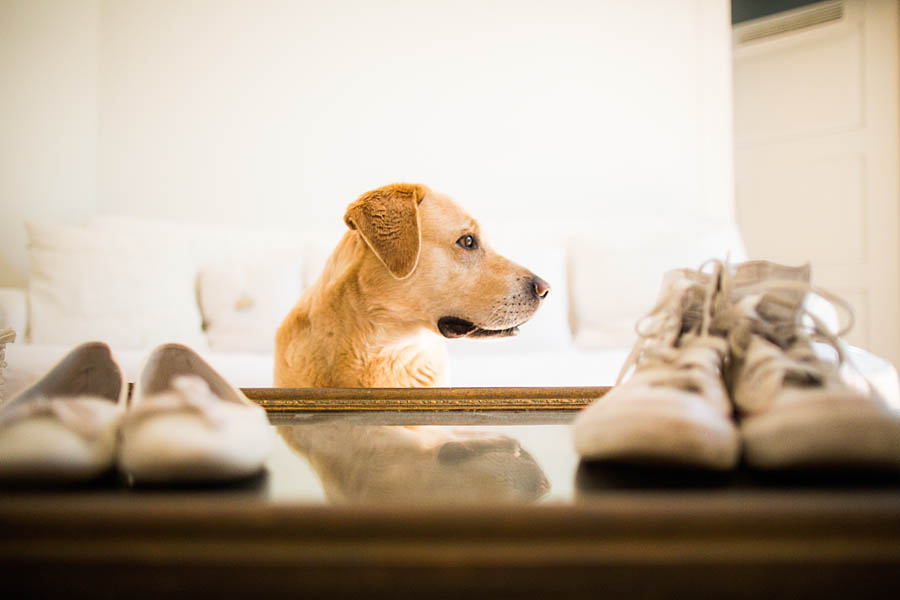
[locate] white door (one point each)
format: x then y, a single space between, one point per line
816 153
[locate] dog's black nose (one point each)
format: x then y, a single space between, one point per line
541 288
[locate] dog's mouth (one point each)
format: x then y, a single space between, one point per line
454 327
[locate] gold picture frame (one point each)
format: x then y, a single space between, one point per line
291 400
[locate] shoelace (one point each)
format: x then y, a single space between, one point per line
775 311
88 416
189 392
787 324
674 322
660 331
782 329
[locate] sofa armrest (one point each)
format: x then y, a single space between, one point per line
14 310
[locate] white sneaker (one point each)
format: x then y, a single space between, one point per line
186 423
796 409
63 428
674 410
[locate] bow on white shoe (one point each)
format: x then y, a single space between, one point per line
63 428
189 394
187 423
88 416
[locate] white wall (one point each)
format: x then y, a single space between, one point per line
48 119
279 113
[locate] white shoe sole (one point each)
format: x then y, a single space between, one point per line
661 427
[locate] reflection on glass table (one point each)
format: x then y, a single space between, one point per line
385 465
424 464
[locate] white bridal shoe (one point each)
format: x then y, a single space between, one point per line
187 423
63 428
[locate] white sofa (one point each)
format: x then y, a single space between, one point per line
223 291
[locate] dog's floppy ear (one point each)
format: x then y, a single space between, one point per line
388 220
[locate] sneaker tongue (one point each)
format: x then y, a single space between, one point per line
679 304
757 271
778 302
779 307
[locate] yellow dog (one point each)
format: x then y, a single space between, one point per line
412 268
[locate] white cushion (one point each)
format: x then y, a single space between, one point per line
85 285
244 300
201 244
248 279
565 367
615 275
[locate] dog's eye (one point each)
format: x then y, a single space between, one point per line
468 242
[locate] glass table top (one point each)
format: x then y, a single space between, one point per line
448 502
462 459
483 503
